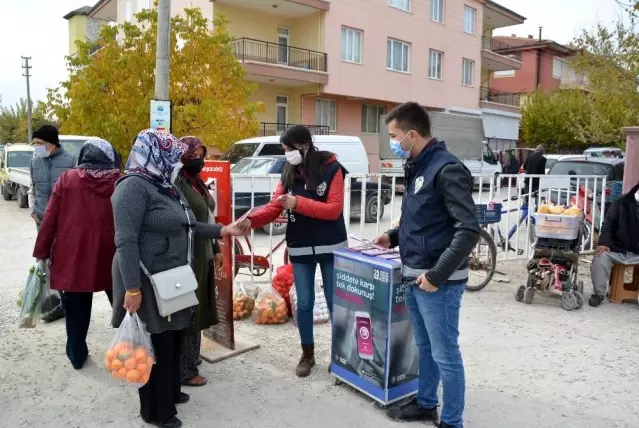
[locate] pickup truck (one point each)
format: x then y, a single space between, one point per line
15 178
262 187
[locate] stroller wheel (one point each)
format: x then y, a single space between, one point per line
519 294
568 301
579 298
529 295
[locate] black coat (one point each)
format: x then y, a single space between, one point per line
535 164
620 224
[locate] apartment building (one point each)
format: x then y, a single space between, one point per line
81 27
339 66
545 64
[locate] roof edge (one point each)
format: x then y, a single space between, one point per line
492 4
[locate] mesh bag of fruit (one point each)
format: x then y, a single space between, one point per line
270 308
283 281
130 356
321 314
243 304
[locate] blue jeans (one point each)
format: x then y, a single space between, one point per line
435 319
304 274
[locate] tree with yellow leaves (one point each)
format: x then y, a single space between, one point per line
111 83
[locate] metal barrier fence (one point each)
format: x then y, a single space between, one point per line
372 204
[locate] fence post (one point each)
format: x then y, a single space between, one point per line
631 168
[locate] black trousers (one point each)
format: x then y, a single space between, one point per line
159 396
77 307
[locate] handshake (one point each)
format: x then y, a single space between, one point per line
239 228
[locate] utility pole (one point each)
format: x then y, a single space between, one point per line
162 51
26 74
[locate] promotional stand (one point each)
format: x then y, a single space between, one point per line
373 348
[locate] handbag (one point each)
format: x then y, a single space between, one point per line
175 288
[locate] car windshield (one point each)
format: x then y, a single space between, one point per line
581 168
254 166
550 163
72 146
239 151
19 159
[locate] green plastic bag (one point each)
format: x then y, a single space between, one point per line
34 292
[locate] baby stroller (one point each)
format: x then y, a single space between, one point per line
554 262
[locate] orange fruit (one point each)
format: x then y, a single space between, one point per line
122 373
130 364
139 353
107 364
110 354
143 368
132 376
117 364
144 379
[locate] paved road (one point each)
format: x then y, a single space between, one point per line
527 366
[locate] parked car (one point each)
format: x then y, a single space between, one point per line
15 178
605 152
262 187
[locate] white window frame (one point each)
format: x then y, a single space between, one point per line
328 118
391 45
284 33
128 10
437 56
355 57
404 5
381 110
470 19
557 60
437 8
468 76
503 73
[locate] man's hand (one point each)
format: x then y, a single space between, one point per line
288 201
424 284
218 261
383 240
601 250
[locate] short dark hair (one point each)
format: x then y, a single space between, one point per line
410 116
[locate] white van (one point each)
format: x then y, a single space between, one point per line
350 151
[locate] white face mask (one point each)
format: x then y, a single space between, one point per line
41 151
294 157
637 196
176 170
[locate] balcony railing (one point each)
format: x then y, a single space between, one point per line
272 53
500 48
269 129
495 96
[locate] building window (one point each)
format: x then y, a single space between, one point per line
351 45
400 4
128 10
326 113
504 73
371 117
437 11
143 4
468 72
469 19
556 67
281 112
397 55
435 63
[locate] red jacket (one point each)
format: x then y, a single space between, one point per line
77 233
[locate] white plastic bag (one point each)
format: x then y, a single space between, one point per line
321 314
130 356
35 290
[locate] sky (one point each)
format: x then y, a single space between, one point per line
36 28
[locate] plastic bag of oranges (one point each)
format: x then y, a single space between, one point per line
243 304
270 308
130 355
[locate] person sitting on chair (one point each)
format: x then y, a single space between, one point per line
618 242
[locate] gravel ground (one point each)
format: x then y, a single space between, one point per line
526 366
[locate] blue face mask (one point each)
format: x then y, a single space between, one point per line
41 151
396 147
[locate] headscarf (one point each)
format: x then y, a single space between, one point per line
98 158
155 155
194 143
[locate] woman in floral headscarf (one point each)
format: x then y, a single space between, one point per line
206 258
151 227
77 236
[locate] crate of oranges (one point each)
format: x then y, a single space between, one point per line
270 308
130 355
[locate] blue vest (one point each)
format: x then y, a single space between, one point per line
426 229
45 173
308 239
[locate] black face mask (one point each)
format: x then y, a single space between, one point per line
194 166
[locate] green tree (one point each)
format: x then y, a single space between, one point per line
111 83
13 121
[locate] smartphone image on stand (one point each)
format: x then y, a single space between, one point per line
364 335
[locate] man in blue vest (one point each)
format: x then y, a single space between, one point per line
438 230
48 163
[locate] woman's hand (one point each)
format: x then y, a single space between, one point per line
218 261
288 201
132 300
234 230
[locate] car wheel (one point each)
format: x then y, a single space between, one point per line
372 205
6 195
23 199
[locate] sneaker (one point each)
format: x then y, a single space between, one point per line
595 300
412 411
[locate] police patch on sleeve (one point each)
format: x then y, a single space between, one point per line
419 182
321 188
